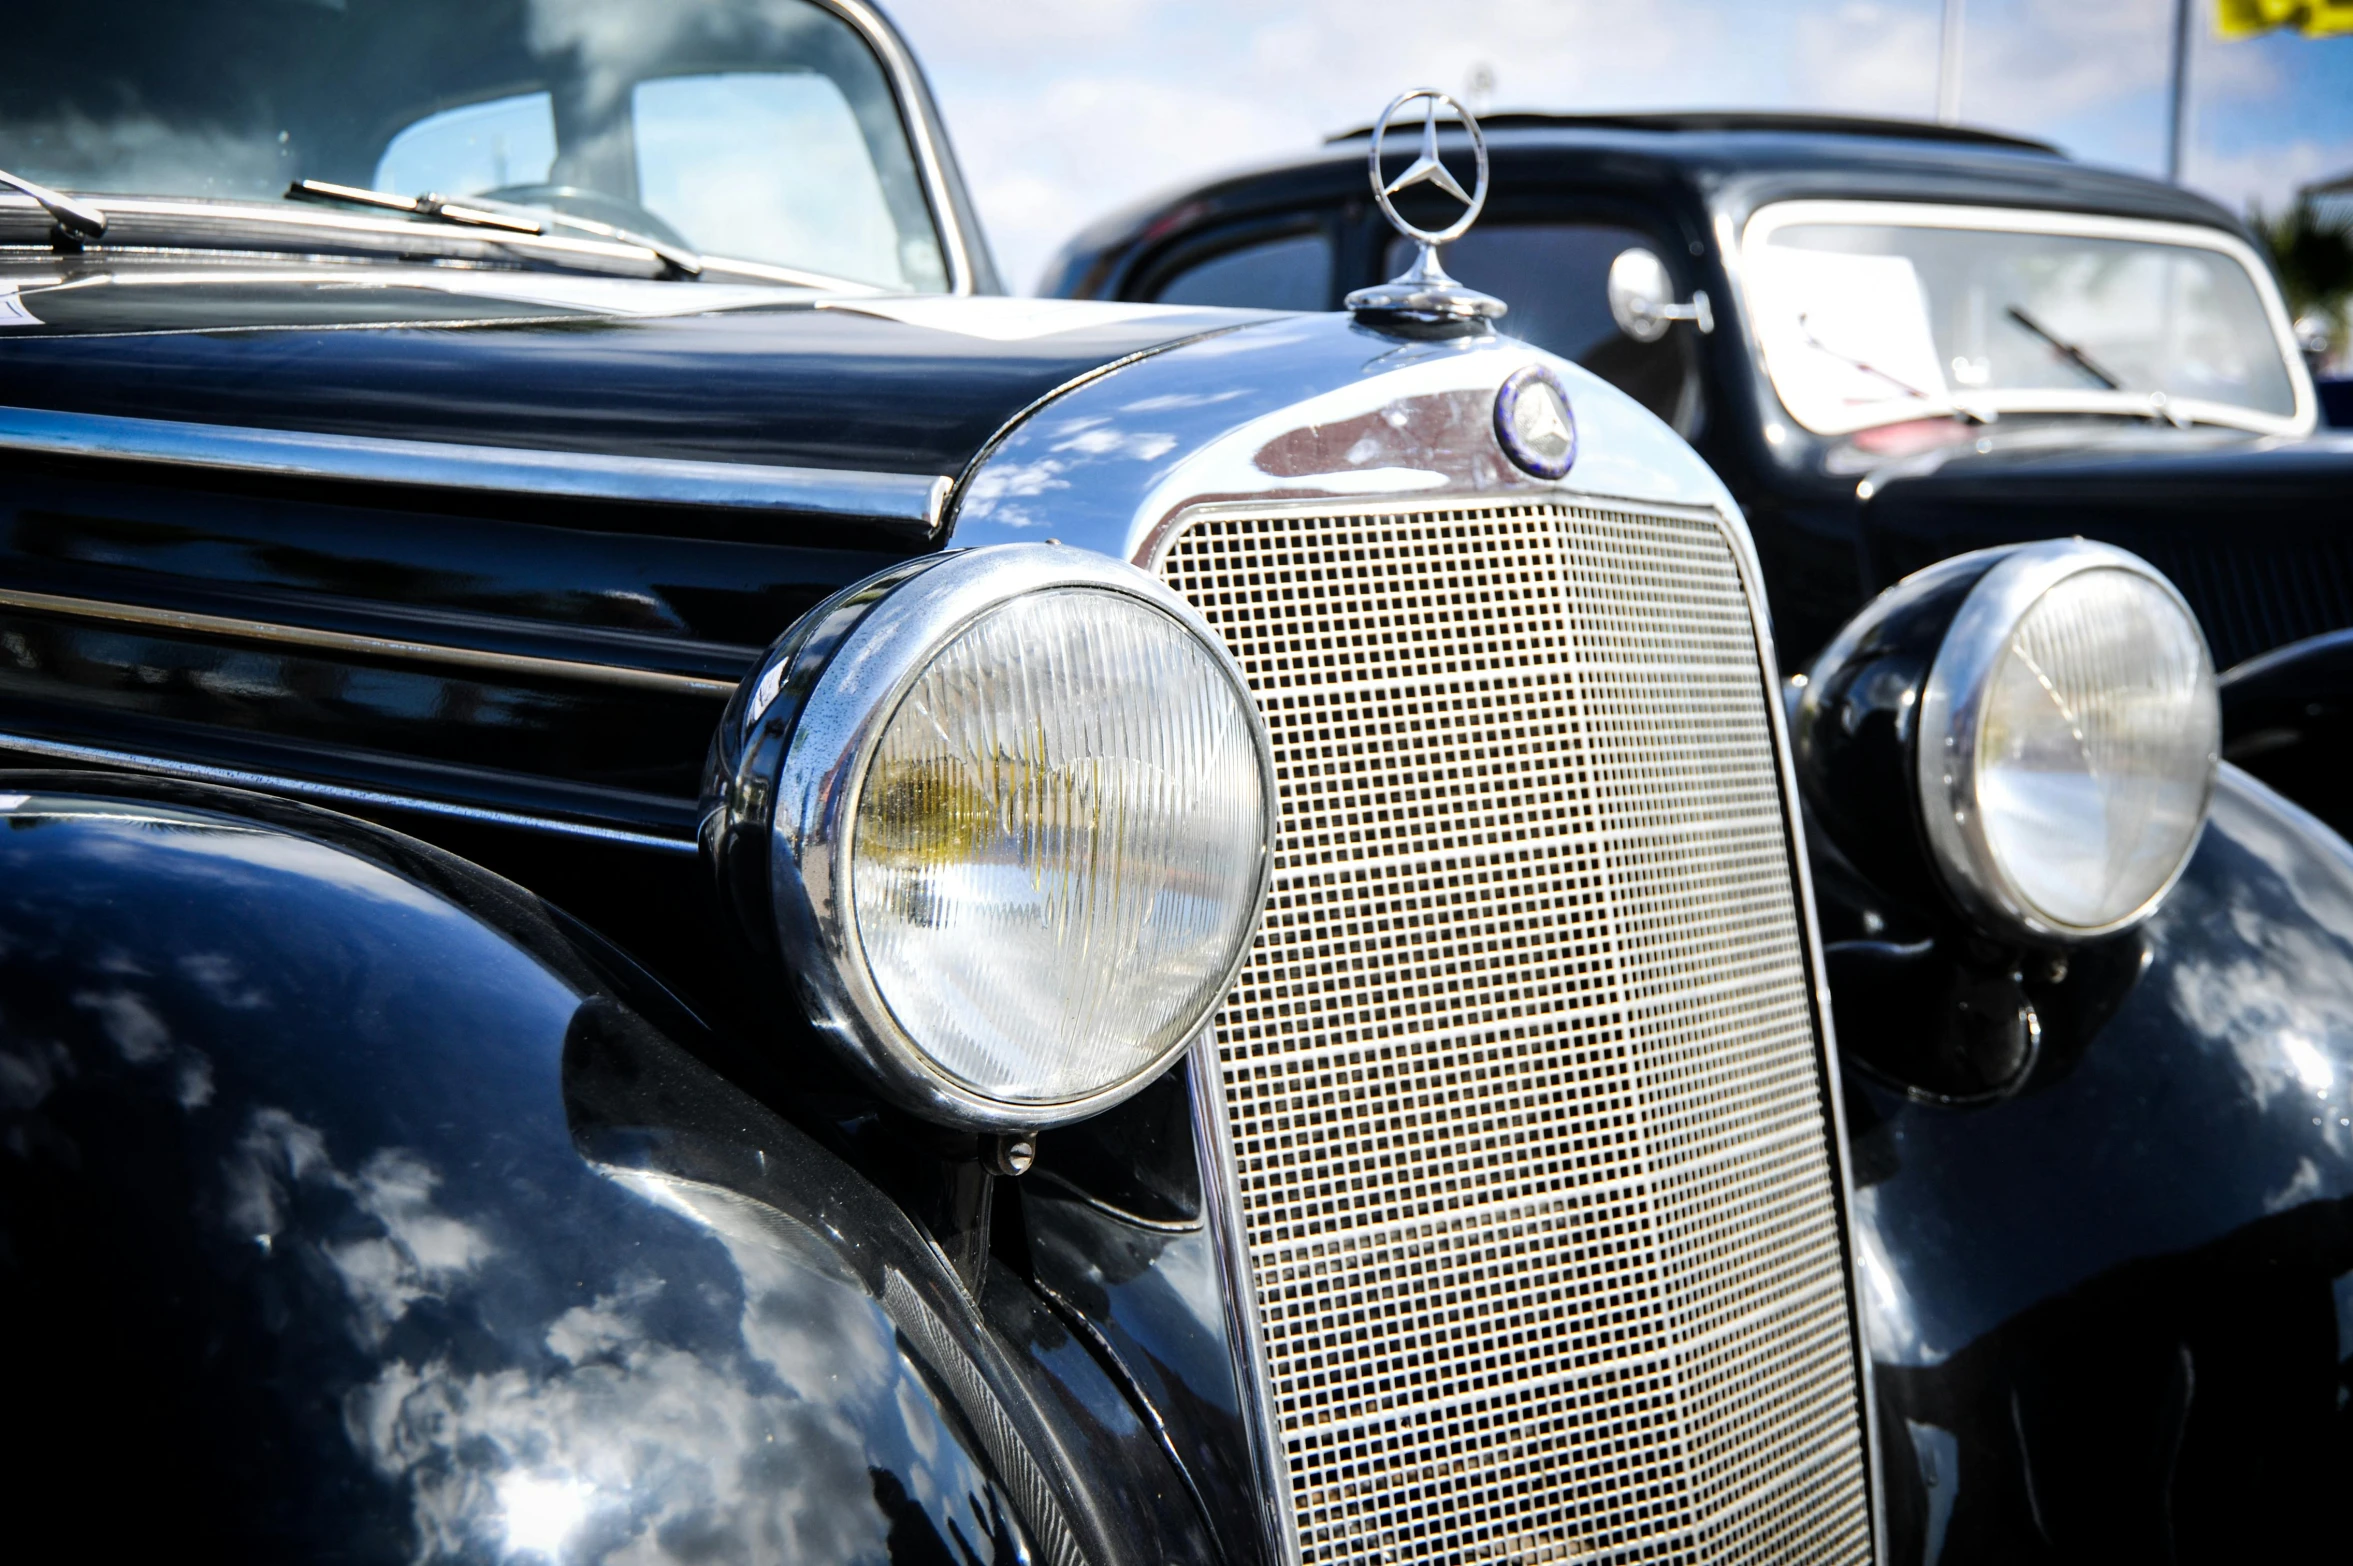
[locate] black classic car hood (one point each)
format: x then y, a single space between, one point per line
770 376
2256 531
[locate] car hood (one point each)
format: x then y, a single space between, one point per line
2168 468
611 367
2257 531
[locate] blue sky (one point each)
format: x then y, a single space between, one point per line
1063 109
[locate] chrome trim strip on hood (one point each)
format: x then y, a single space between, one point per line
401 649
906 503
335 793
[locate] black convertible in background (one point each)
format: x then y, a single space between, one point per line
674 887
1896 342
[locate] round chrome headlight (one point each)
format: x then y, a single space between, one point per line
1021 831
2069 731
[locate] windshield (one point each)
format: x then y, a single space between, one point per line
762 130
1872 313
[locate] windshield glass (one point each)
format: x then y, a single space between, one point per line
1871 313
763 130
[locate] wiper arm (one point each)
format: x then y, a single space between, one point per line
685 262
2067 350
1960 409
78 218
493 214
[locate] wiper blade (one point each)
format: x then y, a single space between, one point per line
418 206
78 218
2067 350
494 214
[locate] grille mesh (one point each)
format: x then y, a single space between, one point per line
1521 1077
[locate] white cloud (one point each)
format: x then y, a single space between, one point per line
1867 58
2270 175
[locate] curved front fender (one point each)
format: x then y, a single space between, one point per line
2111 1312
345 1212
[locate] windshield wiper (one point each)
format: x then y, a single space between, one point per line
494 214
78 218
2073 354
1960 409
1805 324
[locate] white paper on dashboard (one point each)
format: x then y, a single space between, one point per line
12 309
1847 338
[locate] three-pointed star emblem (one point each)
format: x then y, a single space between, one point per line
1426 169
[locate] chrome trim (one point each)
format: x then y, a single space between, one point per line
1221 1208
1423 292
1221 1191
520 664
1111 464
907 86
851 700
1952 706
230 225
909 503
1303 408
274 783
1776 215
81 219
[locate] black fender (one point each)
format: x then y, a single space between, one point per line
351 1207
2287 717
2110 1311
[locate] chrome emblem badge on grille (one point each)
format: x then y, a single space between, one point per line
1533 423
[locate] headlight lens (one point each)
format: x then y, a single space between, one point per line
1007 814
1057 846
2069 738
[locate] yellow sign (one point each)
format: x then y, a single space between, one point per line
2312 18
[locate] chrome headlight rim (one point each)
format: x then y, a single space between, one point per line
837 730
1951 721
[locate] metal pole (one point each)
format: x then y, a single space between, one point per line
2178 128
1948 65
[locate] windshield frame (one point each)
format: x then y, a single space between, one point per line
907 88
1774 216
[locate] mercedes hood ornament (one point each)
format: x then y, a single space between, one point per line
1424 293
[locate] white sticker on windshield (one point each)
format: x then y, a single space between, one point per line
999 320
1847 338
12 309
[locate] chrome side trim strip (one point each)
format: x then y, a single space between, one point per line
521 664
906 502
336 793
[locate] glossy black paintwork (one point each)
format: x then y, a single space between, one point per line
2104 1212
1852 737
1822 549
606 587
351 1204
796 385
2256 532
2111 1310
640 586
2287 717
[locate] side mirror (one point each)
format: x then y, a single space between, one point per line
1642 298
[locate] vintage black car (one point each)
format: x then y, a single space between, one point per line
1896 342
673 889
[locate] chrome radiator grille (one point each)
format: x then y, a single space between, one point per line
1521 1079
